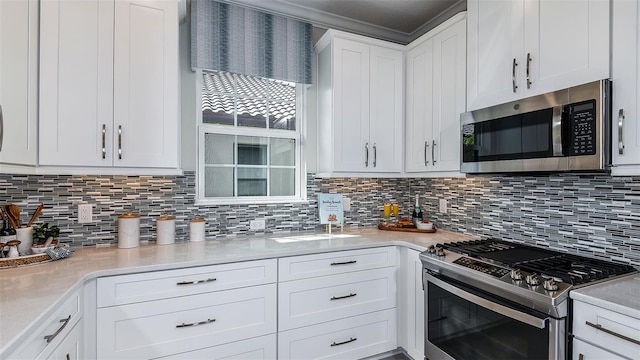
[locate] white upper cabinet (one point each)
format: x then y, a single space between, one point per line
109 83
436 85
625 75
521 48
360 105
18 83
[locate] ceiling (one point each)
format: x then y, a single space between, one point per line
400 21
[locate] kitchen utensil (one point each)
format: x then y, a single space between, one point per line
4 218
13 211
35 214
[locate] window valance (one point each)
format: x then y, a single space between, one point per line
240 40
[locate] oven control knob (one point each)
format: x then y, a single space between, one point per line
431 249
550 285
516 274
440 251
533 279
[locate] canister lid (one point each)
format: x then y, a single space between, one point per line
197 220
129 216
166 217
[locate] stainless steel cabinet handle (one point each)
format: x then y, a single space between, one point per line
208 321
366 153
343 297
196 281
611 332
1 128
120 142
68 357
528 72
580 357
344 262
64 322
433 155
343 342
375 155
513 74
620 132
426 147
104 135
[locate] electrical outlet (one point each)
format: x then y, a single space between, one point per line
443 206
257 224
346 204
85 213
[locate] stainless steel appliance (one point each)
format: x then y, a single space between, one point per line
492 299
565 130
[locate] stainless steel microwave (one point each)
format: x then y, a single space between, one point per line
565 130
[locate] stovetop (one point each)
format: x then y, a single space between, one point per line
568 268
535 277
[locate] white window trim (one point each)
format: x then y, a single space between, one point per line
301 173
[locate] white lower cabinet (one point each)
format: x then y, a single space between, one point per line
411 304
603 334
351 338
347 315
71 347
260 348
54 334
195 312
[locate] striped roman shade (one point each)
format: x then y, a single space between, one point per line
240 40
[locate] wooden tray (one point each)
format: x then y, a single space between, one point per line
24 260
385 226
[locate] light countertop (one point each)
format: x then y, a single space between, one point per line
27 294
620 295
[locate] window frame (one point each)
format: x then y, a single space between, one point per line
300 182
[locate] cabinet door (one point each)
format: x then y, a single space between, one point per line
386 109
625 74
495 41
18 82
146 89
449 81
352 150
411 309
76 82
571 41
585 351
419 107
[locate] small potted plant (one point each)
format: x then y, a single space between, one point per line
42 232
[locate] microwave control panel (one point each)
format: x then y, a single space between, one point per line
582 117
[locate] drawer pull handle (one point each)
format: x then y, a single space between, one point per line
610 332
344 263
64 322
342 297
343 342
208 321
196 282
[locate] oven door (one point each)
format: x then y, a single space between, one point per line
466 323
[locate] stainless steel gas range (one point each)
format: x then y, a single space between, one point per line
492 299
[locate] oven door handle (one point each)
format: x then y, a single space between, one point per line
500 309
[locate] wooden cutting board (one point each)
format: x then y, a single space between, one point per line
393 227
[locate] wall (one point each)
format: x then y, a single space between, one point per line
595 215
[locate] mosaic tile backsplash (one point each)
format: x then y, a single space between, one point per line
594 215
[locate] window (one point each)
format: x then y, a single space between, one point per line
249 139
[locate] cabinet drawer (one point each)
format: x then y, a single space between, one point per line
307 302
127 289
260 348
307 266
351 338
170 326
586 351
52 330
608 320
71 348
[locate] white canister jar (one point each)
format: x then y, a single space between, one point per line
196 229
166 230
128 231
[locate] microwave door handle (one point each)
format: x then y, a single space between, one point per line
500 309
558 131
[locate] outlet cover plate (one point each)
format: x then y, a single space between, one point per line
85 213
257 224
